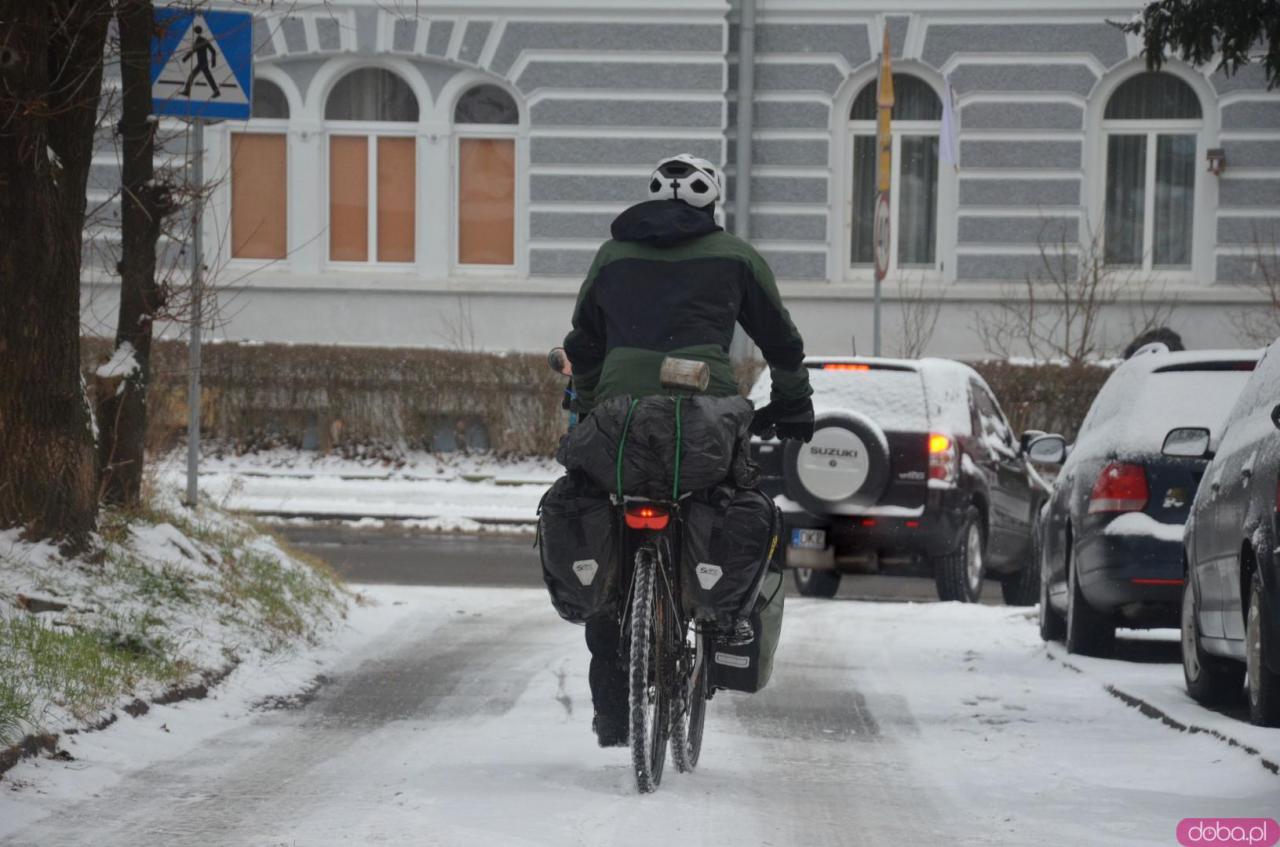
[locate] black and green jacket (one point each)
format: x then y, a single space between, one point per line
671 281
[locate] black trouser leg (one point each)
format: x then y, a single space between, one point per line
608 675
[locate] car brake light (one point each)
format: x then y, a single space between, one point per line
647 517
942 458
1121 487
845 366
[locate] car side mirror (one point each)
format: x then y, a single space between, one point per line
1047 450
1275 416
1188 442
1029 436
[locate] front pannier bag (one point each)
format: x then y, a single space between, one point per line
578 542
729 537
748 668
669 445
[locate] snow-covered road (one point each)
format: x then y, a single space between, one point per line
466 722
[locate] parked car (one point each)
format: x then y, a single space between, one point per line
912 463
1110 537
1231 597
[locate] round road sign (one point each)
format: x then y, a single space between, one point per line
881 235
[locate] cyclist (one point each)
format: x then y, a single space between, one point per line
671 281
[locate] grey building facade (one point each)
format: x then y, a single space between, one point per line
440 173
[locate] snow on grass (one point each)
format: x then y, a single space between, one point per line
169 597
454 490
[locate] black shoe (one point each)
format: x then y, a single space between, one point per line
610 731
739 635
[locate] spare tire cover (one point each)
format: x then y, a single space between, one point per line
846 462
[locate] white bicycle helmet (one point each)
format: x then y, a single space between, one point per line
686 178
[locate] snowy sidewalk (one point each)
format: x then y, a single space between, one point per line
1156 689
461 716
424 490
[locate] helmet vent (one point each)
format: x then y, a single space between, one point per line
699 186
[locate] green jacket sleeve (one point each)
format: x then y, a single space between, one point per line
769 324
586 343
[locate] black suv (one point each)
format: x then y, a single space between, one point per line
1231 597
912 463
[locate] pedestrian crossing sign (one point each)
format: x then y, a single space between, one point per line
202 64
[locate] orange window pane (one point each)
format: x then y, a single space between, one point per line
259 222
396 189
348 199
486 201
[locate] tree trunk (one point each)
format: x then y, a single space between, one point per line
50 84
122 408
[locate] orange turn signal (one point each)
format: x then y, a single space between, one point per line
939 443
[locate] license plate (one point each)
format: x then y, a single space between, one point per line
809 539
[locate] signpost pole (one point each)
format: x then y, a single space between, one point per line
201 70
884 180
197 317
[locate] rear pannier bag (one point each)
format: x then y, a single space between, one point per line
663 439
578 542
728 538
749 667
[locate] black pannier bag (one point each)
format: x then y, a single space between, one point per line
748 668
728 538
578 542
662 438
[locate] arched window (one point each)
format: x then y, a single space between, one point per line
372 115
1152 124
486 119
917 123
259 178
269 101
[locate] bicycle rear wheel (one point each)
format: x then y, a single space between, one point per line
650 706
686 726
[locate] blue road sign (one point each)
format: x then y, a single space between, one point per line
202 64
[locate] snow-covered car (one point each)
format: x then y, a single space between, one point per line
912 463
1231 599
1110 539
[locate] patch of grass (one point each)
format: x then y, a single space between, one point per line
156 582
82 671
285 602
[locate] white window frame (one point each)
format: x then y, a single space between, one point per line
371 131
840 265
1151 130
510 132
217 220
924 129
1203 270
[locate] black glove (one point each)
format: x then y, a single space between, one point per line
786 419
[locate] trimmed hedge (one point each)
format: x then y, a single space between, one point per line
349 398
1049 397
353 399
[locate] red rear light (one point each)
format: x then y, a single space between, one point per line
1121 487
942 458
845 366
647 517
